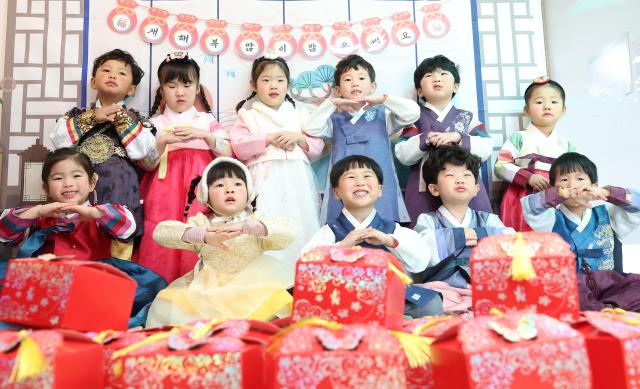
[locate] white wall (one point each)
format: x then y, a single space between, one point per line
604 128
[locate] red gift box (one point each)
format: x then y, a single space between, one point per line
350 285
197 355
336 356
613 344
60 359
78 295
518 350
553 291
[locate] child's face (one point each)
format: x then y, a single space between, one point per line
573 180
358 188
68 182
114 79
180 96
271 86
355 84
456 185
545 106
228 196
437 86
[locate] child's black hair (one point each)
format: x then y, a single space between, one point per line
185 70
535 85
354 162
62 155
452 154
353 62
221 170
122 56
428 65
258 67
570 163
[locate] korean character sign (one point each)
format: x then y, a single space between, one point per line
515 350
78 295
613 344
350 285
534 271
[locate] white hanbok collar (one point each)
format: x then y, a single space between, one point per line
535 132
355 223
178 117
576 219
98 104
441 114
229 219
466 221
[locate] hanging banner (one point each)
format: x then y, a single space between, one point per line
312 44
374 37
404 31
435 23
122 19
184 35
154 28
249 44
282 42
343 42
215 39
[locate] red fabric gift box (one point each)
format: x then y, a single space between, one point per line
350 285
613 344
78 295
196 355
60 360
336 356
494 352
554 289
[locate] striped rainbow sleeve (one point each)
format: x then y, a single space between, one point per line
128 128
79 125
505 167
117 221
13 228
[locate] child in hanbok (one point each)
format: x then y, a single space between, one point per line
269 139
525 158
592 220
233 279
186 141
72 225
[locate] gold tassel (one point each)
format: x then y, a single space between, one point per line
521 265
101 336
148 340
201 332
416 348
30 361
403 277
620 314
310 322
431 323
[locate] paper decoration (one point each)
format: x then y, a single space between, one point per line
435 23
154 28
343 41
374 37
312 44
184 35
249 44
282 42
122 19
215 39
404 31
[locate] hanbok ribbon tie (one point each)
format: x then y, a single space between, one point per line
36 240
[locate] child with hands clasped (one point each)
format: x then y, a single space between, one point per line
269 138
360 123
592 220
186 141
71 225
525 158
233 279
437 80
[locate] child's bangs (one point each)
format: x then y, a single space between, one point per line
568 168
178 71
360 164
225 170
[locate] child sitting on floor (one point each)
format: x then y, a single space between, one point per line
592 220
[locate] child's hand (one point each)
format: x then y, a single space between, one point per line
470 236
371 100
84 211
584 196
287 140
354 237
107 113
377 237
538 182
444 138
347 105
45 210
217 239
227 227
168 138
186 133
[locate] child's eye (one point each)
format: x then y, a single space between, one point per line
77 176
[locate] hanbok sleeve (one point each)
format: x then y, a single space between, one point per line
400 113
477 141
169 233
324 237
442 242
318 123
136 138
280 232
117 221
71 127
624 210
505 167
413 251
14 229
245 144
412 150
539 209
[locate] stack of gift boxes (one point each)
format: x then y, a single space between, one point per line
347 329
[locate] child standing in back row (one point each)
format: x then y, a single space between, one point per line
186 141
525 158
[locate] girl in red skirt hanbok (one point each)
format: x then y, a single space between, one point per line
186 141
525 158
